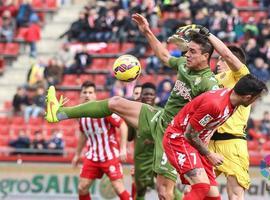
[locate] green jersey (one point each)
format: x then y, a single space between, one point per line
189 84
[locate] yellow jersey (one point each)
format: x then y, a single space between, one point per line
236 124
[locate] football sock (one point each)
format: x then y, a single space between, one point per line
124 195
212 198
85 197
95 109
139 198
198 192
133 190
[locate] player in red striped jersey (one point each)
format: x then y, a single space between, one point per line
103 153
186 138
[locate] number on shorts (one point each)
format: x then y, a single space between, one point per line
194 158
164 159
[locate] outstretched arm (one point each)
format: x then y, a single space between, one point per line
160 51
233 62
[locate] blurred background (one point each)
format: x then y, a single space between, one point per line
65 42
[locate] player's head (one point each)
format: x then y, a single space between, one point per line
88 91
248 89
237 51
199 51
137 92
148 94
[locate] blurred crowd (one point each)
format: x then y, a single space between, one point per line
110 21
23 144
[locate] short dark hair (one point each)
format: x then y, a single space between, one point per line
87 84
250 85
238 52
203 41
149 85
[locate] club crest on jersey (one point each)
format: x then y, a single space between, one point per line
205 120
181 158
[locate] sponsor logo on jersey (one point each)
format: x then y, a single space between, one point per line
181 90
197 80
181 158
205 120
112 168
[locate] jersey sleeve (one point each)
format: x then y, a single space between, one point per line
115 120
175 63
241 72
206 113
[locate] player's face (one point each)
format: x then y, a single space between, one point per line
195 57
137 93
222 65
148 96
88 94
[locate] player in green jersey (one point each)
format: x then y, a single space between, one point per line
144 147
194 77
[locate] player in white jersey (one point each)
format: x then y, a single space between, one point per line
103 152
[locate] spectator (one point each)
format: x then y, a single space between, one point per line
8 5
265 125
33 34
260 69
82 60
7 28
65 56
56 143
39 143
121 26
21 143
77 30
38 106
36 73
153 65
252 50
163 93
24 13
20 101
251 29
118 89
53 72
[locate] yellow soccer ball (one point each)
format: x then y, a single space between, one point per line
126 68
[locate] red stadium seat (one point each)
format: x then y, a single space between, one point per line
113 48
266 146
12 49
103 95
252 145
4 130
4 120
2 48
51 4
17 120
69 79
70 141
35 121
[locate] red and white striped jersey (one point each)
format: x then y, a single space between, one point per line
101 134
205 113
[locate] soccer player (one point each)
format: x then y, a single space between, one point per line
230 139
186 138
144 147
137 92
103 153
194 77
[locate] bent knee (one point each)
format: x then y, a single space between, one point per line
115 102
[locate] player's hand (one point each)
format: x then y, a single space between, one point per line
75 161
186 30
123 154
215 159
141 22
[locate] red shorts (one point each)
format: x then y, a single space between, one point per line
93 170
184 157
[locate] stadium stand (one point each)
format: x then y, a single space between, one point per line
103 51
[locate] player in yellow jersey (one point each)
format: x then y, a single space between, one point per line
230 139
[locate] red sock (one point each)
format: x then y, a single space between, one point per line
212 198
124 195
133 190
198 192
85 197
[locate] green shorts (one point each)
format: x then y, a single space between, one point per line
149 119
